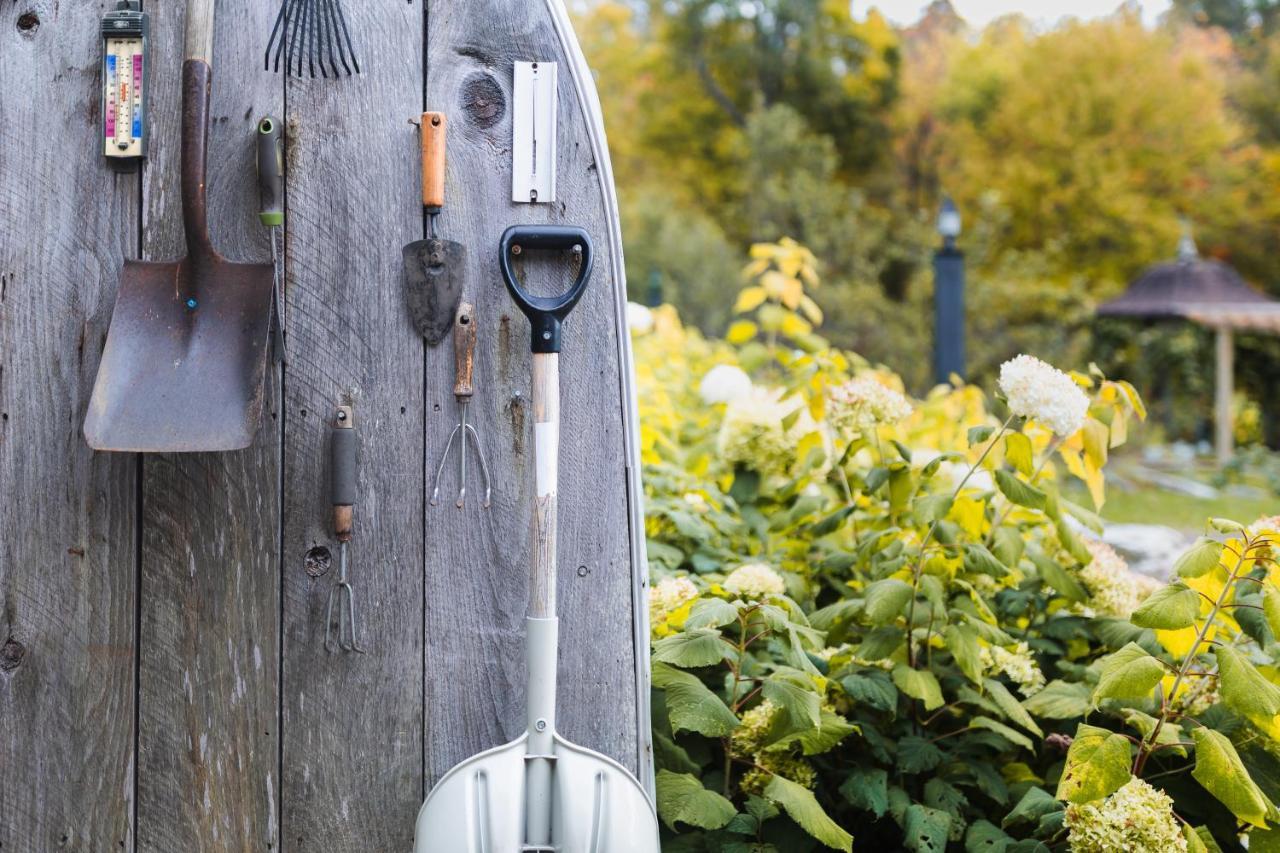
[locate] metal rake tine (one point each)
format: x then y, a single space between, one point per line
342 19
292 49
286 8
484 468
315 35
324 40
309 7
266 59
435 491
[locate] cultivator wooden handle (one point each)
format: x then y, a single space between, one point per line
464 352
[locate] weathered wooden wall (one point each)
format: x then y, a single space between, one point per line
162 681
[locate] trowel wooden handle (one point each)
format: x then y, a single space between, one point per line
433 144
464 351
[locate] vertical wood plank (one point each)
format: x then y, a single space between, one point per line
68 554
476 564
208 742
353 723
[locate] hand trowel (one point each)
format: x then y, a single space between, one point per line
434 269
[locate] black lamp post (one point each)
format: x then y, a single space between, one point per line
948 297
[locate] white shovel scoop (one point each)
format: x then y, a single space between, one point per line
540 793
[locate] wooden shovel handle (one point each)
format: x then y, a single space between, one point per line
433 146
464 351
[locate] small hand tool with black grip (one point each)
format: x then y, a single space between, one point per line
342 455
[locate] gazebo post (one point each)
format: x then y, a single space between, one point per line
1223 426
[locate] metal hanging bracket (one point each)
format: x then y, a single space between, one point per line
533 124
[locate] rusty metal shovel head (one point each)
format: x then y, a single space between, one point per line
186 352
177 378
434 272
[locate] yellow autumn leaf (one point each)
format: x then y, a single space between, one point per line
749 298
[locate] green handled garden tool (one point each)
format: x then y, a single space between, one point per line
540 793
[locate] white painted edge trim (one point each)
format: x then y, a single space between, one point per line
589 103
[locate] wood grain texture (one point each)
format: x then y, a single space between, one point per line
352 722
477 581
186 550
68 554
208 773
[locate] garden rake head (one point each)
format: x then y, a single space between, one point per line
305 35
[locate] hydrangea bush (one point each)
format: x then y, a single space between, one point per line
890 622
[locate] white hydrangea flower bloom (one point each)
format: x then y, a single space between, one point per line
755 580
1136 817
1018 664
1043 393
639 319
724 383
862 404
696 501
752 433
667 595
1114 589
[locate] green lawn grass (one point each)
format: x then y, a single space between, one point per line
1154 506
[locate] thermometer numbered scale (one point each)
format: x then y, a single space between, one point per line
124 72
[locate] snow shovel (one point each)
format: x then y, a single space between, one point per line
540 793
186 352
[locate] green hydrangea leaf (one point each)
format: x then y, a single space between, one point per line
931 508
979 434
1023 494
802 806
832 728
799 708
918 684
917 755
1200 840
1200 559
867 788
873 688
711 613
1007 732
1011 707
979 560
1058 577
925 829
1219 770
1059 700
962 642
690 649
1245 690
1035 805
1271 608
985 837
683 799
691 705
1170 608
1130 673
886 600
1097 765
1260 841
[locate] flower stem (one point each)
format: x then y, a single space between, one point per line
918 568
1147 746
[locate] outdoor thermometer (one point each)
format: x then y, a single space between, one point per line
124 89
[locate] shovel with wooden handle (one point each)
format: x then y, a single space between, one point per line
434 269
540 793
186 352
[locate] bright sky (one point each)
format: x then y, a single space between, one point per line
979 13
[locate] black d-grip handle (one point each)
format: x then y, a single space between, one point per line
545 313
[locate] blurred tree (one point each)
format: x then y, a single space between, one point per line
1097 138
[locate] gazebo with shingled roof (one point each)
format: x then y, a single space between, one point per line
1212 294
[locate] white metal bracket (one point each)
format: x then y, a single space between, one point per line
533 144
